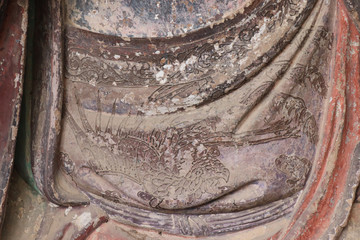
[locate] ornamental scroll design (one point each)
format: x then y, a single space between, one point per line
179 66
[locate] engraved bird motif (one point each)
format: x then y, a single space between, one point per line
175 166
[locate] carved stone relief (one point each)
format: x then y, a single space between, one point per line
197 118
176 128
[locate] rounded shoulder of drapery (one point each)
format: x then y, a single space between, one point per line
153 18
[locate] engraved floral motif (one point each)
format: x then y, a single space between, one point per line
292 115
309 74
295 168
